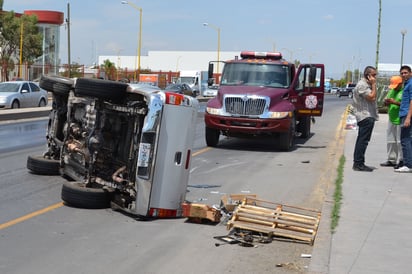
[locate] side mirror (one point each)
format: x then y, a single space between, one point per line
210 74
24 91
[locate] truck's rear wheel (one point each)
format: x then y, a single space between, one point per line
212 137
78 195
287 139
102 89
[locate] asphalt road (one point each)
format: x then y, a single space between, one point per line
38 234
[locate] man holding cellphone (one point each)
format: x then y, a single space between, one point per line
405 114
366 113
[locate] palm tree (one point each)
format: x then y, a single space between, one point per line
109 69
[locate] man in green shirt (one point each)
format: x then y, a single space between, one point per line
393 133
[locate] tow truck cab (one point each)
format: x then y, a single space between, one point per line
261 94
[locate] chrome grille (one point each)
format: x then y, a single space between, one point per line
245 105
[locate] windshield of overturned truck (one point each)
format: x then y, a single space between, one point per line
256 75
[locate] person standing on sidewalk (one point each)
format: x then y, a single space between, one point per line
393 132
366 113
405 114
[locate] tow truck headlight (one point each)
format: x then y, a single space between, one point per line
279 115
214 111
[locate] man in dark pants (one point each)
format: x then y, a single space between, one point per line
366 113
405 114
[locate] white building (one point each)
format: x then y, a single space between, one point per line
170 60
388 70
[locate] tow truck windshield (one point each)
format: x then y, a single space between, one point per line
256 74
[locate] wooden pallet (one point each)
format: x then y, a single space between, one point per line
276 220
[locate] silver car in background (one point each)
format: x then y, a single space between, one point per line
22 94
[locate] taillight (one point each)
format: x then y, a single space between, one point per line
164 213
174 98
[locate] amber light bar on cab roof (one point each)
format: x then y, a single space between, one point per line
263 55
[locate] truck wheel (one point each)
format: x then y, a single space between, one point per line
42 166
212 137
56 84
101 89
304 126
350 94
287 139
76 194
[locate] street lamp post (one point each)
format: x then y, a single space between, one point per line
139 47
403 32
218 42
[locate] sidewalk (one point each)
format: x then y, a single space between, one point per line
375 226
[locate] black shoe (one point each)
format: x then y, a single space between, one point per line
399 165
361 167
388 163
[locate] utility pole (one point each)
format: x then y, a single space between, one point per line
68 38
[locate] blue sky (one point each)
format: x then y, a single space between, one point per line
340 34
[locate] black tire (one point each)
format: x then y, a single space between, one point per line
212 137
101 89
15 104
286 140
77 195
56 84
43 166
304 127
42 102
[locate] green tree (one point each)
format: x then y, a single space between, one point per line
109 69
14 31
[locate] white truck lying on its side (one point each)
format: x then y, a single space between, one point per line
118 145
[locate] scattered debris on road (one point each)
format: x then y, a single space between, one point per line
199 212
252 220
276 220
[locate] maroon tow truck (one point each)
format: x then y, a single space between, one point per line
261 94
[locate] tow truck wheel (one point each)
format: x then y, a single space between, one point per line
102 89
287 139
56 84
304 126
212 137
76 194
43 166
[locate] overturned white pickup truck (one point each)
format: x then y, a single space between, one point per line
118 145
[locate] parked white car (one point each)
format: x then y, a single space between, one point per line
21 94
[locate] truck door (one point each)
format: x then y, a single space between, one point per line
309 88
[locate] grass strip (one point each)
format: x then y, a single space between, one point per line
337 196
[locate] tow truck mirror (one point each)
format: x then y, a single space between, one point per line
312 75
210 75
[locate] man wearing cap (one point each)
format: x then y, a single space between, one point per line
405 114
393 133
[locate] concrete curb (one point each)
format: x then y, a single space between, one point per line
24 113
